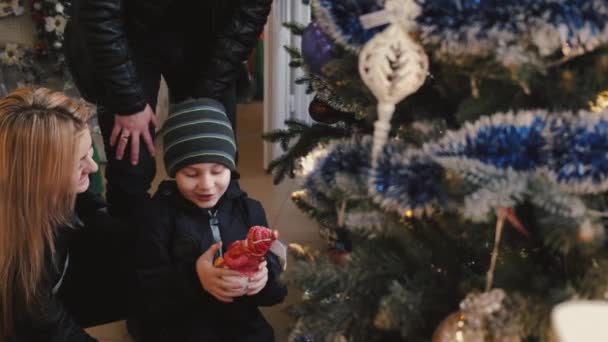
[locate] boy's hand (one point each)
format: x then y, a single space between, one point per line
258 280
219 282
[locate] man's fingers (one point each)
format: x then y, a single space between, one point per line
149 142
114 135
154 120
122 144
135 148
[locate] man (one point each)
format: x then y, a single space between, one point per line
118 49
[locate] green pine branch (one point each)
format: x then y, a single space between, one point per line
308 137
295 28
344 299
293 52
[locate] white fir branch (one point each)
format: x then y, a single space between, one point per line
366 219
500 193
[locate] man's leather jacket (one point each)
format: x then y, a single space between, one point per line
101 34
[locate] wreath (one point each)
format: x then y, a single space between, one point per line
10 7
45 62
50 18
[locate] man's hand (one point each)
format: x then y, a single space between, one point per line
221 283
133 127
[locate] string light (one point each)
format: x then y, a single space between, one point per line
600 103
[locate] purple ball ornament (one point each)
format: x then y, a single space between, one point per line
317 47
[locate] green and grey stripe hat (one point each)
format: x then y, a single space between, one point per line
197 131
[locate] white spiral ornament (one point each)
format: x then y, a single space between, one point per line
393 66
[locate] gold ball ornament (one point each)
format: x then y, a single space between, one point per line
481 319
454 328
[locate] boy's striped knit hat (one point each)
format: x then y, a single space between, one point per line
197 131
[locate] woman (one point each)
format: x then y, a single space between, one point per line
45 162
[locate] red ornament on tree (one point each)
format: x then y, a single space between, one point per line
322 112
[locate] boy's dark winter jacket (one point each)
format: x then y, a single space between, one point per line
173 304
109 41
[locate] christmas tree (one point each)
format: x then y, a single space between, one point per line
458 168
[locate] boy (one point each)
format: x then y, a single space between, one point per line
183 297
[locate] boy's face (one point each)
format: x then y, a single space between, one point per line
203 184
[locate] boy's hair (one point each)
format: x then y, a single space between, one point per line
198 131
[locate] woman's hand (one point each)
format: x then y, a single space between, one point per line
221 283
258 280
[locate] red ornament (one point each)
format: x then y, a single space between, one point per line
246 255
339 257
324 113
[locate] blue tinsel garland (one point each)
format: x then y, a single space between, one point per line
499 141
531 28
578 153
499 154
345 160
571 149
407 180
350 158
515 32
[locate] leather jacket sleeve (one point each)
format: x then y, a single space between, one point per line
101 24
233 44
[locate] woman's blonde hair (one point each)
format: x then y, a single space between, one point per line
39 128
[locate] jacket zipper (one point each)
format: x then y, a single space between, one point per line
214 224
